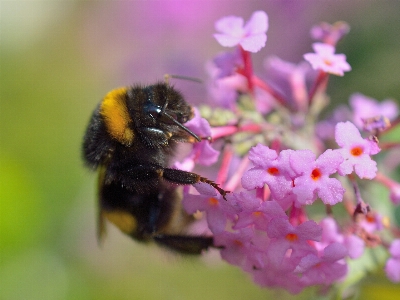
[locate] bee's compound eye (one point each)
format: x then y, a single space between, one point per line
152 110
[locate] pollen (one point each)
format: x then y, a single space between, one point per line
356 151
292 237
273 171
316 174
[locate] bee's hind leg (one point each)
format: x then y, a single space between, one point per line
186 244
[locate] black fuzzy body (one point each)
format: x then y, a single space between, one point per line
136 185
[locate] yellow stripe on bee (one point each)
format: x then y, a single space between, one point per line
122 219
116 116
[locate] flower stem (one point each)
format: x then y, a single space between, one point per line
320 82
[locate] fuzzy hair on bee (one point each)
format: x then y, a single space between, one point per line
130 140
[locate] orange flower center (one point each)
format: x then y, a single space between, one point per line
257 214
213 201
238 243
316 174
328 62
356 151
291 237
370 218
273 171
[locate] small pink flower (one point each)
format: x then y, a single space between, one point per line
270 169
285 236
313 179
356 151
252 36
330 234
238 248
330 33
255 212
227 63
324 268
292 81
279 277
355 245
373 222
326 60
218 210
365 107
222 88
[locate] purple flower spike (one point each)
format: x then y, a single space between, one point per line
264 223
252 36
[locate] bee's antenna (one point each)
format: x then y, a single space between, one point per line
168 76
164 107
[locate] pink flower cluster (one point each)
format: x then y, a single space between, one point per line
257 235
275 164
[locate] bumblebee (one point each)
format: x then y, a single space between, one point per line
130 140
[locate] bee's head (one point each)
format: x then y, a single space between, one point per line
166 106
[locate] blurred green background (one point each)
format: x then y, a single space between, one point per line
58 58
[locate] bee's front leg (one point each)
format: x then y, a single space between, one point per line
183 177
